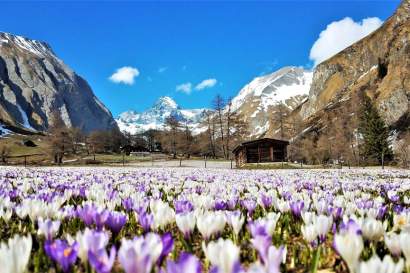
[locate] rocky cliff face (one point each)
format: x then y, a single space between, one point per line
379 65
35 84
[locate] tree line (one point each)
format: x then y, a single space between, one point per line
353 134
221 129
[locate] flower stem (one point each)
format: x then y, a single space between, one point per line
316 258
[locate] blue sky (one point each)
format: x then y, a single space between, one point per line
172 43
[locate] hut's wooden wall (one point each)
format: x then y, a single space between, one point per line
259 152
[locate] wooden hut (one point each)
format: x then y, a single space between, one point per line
261 150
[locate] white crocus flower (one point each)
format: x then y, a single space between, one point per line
89 238
372 229
223 254
273 219
379 266
308 216
210 223
141 253
323 224
162 212
405 247
14 255
309 232
6 214
48 228
186 222
349 245
392 242
401 222
235 220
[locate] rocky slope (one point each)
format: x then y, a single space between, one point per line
259 99
154 117
379 65
35 84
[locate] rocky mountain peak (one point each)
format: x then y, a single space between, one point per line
165 103
155 117
26 45
258 99
35 85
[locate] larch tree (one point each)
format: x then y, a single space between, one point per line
374 132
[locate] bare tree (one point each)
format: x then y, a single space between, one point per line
59 140
219 105
210 132
173 125
279 120
4 153
403 151
187 141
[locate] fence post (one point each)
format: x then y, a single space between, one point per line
180 162
205 161
231 164
123 159
25 161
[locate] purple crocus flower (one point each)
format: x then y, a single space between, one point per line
100 218
381 212
336 212
351 227
297 207
266 200
220 205
100 261
167 245
182 206
187 263
86 213
257 228
145 220
62 253
115 221
128 204
232 203
250 205
262 243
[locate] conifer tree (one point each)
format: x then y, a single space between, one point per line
374 132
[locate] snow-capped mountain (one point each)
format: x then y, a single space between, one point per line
256 101
154 118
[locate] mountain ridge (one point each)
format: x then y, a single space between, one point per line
154 118
35 85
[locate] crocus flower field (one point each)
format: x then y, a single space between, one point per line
203 220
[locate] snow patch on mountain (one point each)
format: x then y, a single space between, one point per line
154 117
38 48
279 86
257 100
26 123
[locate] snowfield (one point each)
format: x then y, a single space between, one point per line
203 220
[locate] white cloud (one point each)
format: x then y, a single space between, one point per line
340 34
208 83
184 88
162 69
125 75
